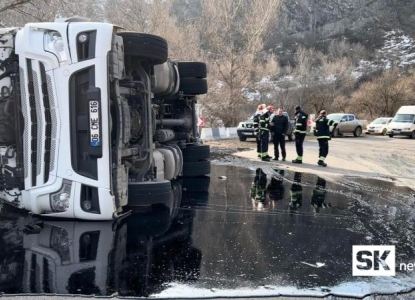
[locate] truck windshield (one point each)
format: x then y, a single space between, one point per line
404 118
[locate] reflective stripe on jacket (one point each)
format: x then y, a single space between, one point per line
301 123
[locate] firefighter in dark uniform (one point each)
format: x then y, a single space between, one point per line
259 189
322 131
318 200
300 133
262 132
275 188
296 192
257 115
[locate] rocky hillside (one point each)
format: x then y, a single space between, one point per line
361 20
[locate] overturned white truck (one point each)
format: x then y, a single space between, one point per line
94 120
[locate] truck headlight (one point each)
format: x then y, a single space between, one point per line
59 201
53 42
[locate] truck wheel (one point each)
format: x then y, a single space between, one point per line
198 168
195 199
335 133
242 138
193 86
195 153
357 132
413 135
146 46
192 69
196 184
149 193
391 135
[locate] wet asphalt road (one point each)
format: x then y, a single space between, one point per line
242 232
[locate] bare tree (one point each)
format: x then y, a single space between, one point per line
156 17
48 10
233 33
383 96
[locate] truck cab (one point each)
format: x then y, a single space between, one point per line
403 124
94 120
347 124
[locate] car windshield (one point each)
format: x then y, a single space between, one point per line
404 118
335 117
380 121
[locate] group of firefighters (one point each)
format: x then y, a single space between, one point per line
266 123
265 197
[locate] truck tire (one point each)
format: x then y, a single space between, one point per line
192 69
335 133
197 168
196 184
195 153
193 86
192 199
242 138
149 193
146 46
358 131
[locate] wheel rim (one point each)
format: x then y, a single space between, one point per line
358 131
413 134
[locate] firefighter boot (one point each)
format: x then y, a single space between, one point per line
298 160
321 162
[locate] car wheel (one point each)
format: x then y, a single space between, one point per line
384 131
391 135
149 193
358 132
194 153
413 135
198 168
242 138
192 69
146 46
335 133
193 86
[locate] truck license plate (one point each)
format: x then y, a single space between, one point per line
94 123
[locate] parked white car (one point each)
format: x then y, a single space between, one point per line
379 126
403 123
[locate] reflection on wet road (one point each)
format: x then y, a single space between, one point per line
241 232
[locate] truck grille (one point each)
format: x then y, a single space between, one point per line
40 124
26 149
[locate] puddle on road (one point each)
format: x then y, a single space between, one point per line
241 232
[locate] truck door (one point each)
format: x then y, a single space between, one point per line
351 123
343 124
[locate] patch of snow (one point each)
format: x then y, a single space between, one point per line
252 95
397 50
353 288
